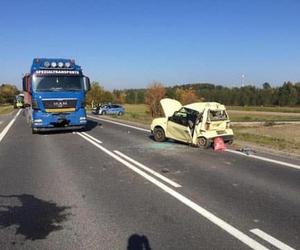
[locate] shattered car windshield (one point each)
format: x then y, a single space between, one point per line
217 115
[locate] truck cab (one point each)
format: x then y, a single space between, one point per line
55 90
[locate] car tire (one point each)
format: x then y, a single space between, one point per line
103 113
34 131
120 113
159 134
202 142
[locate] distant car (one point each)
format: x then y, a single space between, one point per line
109 109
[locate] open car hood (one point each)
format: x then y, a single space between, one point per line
169 106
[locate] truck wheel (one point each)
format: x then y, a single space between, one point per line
159 134
203 142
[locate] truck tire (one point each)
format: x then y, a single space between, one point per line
159 134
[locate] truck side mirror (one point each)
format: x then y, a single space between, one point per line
86 84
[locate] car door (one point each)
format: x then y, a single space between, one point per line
109 109
178 128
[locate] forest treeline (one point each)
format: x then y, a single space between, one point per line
288 94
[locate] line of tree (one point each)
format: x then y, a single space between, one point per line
288 94
8 93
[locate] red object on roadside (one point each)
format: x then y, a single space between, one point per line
219 144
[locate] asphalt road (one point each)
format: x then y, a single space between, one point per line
113 187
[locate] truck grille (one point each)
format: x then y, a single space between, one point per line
61 104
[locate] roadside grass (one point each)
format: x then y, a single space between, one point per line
278 137
245 117
6 108
265 109
139 113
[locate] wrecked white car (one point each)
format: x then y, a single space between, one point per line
197 123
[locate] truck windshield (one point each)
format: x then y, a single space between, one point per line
19 98
57 83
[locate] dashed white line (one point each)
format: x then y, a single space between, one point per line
121 124
271 239
266 159
91 137
205 213
142 166
8 126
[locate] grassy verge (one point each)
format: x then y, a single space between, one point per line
138 113
240 117
281 137
5 109
266 109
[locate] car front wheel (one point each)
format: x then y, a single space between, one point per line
159 134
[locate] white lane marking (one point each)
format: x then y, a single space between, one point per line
266 159
228 150
271 239
5 130
91 137
165 179
121 124
205 213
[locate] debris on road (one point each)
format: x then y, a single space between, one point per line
247 150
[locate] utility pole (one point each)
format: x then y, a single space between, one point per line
242 80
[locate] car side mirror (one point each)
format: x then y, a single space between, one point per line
86 84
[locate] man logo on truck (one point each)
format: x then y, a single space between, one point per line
55 92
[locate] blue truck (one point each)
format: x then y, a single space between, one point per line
55 92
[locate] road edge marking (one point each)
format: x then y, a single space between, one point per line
291 165
277 243
151 171
247 240
8 126
119 123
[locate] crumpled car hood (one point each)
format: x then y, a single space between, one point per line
169 106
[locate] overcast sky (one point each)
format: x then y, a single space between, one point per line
129 44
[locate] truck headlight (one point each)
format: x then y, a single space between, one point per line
53 64
46 64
